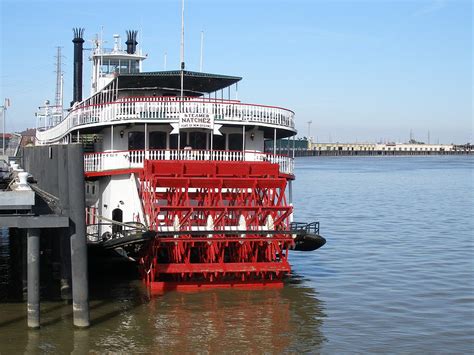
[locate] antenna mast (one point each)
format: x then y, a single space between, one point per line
202 45
182 47
309 130
59 87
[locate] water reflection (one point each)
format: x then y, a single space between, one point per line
81 342
125 318
249 321
273 320
4 263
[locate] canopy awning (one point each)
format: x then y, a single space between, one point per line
194 82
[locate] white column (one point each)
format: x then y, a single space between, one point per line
112 137
293 155
290 198
146 140
274 140
4 110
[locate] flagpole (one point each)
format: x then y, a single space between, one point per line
3 141
202 44
4 116
182 49
6 104
182 70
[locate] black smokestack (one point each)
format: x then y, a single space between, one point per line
78 42
131 42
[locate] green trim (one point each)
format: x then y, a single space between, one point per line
186 74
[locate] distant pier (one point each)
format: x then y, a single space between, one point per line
303 148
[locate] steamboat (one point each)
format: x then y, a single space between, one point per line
176 173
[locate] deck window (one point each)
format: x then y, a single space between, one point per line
114 66
218 142
134 66
173 141
197 140
235 141
157 140
136 140
183 140
123 66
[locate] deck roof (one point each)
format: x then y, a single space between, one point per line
194 82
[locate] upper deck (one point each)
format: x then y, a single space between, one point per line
177 103
93 113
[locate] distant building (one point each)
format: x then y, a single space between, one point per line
282 145
305 147
8 137
28 137
12 143
382 147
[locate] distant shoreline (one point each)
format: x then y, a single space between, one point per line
315 153
305 147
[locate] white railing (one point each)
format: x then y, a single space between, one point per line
166 109
133 159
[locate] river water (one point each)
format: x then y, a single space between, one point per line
396 275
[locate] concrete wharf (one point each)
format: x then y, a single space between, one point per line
47 202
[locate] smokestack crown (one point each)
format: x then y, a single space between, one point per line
78 34
131 41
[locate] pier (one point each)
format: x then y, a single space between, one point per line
47 203
304 148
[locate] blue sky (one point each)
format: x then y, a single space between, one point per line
359 70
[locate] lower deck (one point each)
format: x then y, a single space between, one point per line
114 162
235 207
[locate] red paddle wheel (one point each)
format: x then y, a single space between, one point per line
216 223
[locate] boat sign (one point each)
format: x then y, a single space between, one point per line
196 120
